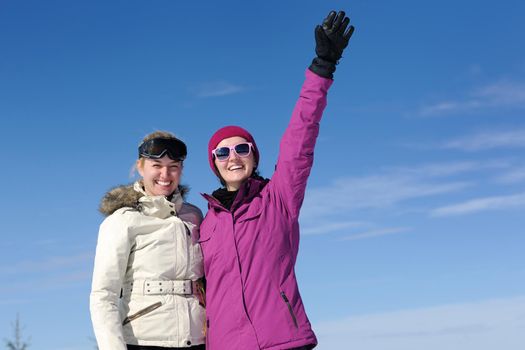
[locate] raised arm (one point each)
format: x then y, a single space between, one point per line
297 145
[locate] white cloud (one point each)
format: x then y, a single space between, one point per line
481 204
327 227
449 107
374 192
330 208
51 263
375 233
502 93
217 88
496 95
442 169
484 325
45 282
383 190
513 176
488 140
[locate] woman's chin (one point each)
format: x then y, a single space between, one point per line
163 191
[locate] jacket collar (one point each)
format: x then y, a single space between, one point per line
158 206
134 196
249 189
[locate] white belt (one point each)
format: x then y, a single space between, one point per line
160 287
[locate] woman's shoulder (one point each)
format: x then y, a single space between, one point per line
190 212
119 207
120 198
124 218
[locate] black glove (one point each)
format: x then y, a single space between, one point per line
331 39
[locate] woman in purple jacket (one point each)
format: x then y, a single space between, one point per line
250 235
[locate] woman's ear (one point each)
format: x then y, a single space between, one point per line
140 166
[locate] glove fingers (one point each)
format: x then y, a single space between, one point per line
348 34
329 20
319 34
331 37
343 26
338 20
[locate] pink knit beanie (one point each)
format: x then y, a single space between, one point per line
226 132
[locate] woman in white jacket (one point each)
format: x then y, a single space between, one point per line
147 291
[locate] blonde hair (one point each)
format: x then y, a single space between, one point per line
158 134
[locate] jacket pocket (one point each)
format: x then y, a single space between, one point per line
141 312
290 309
206 231
249 212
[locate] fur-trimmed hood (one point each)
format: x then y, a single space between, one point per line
128 196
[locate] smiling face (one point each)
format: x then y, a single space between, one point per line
161 177
235 170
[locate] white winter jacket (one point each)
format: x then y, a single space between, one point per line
146 260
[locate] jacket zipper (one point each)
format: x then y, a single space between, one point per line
290 309
142 312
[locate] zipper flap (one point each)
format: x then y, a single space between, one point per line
142 312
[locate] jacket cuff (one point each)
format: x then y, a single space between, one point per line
322 68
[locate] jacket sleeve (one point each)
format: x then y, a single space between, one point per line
111 259
296 151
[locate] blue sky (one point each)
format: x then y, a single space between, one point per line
413 223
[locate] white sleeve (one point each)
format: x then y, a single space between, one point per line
111 259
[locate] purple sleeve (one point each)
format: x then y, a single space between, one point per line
296 151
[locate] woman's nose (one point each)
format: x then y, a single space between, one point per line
233 154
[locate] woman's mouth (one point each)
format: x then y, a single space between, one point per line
163 183
235 167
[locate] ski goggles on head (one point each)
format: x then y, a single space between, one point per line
157 148
241 149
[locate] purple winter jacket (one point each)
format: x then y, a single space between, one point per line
253 301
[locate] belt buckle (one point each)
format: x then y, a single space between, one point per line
190 283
